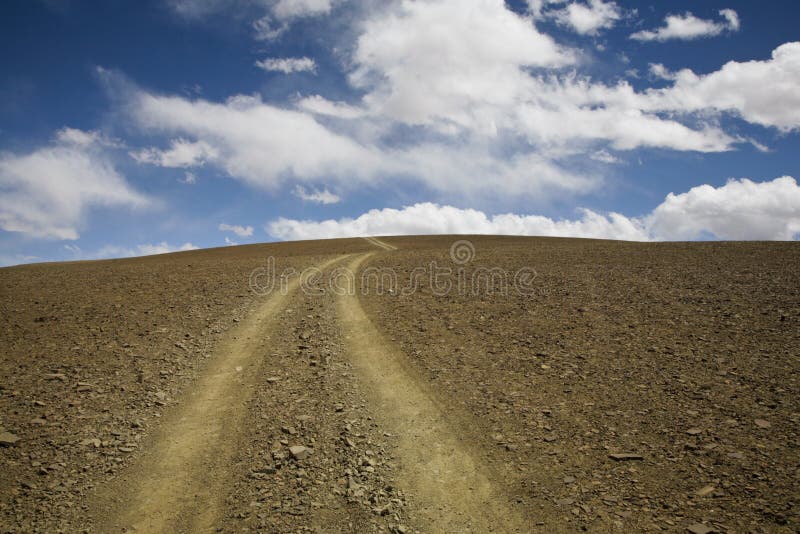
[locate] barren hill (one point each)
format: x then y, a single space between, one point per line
403 384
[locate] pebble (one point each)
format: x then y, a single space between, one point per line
700 528
299 452
762 423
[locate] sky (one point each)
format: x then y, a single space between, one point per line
131 128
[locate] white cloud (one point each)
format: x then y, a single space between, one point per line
589 19
265 29
740 209
429 64
256 142
604 156
241 231
436 62
117 251
427 218
265 146
181 153
282 10
687 27
79 138
318 196
290 9
466 107
322 106
47 193
761 92
189 178
287 65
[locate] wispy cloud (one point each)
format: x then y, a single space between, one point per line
287 65
319 196
47 193
686 27
241 231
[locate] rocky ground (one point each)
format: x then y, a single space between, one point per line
682 355
682 358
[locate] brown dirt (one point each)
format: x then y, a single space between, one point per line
684 354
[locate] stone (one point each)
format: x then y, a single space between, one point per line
7 439
700 528
624 456
762 423
705 490
299 452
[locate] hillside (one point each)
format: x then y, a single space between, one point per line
448 383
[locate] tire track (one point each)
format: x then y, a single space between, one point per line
454 492
378 243
178 484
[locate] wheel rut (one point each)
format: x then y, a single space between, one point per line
178 484
453 491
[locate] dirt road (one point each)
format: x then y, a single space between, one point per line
179 484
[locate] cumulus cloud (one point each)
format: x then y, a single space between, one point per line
427 218
686 27
181 153
740 209
318 196
429 64
466 107
48 192
589 18
432 62
241 231
287 65
761 92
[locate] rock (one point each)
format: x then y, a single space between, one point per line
694 431
762 423
700 528
7 439
705 490
299 452
624 456
305 335
56 376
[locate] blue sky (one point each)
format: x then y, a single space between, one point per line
139 127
